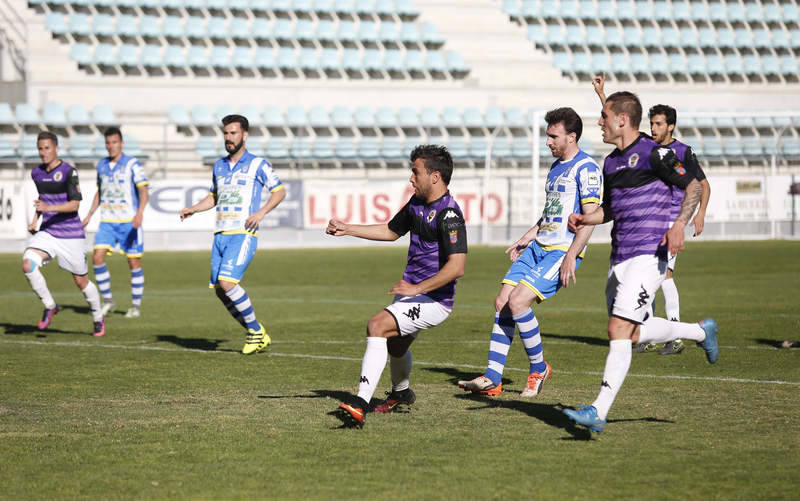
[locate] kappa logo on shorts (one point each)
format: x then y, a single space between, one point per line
413 313
643 297
605 384
364 380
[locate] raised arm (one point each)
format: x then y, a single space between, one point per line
379 232
598 82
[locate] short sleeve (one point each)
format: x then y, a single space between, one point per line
670 169
401 222
139 175
268 176
73 186
691 160
590 183
452 232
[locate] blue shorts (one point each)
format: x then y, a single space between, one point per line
538 270
130 239
230 256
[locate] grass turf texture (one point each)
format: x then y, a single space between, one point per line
165 407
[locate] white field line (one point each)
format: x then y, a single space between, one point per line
83 344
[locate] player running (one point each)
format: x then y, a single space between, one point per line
437 254
545 258
61 233
638 175
122 196
236 185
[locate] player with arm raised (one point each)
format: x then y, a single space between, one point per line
637 176
545 258
61 233
424 297
121 196
237 182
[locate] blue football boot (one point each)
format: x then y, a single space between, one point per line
586 415
710 343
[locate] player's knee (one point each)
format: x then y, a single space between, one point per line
377 326
30 261
518 303
500 303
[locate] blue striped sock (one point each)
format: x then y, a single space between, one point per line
137 287
529 332
242 303
502 335
103 279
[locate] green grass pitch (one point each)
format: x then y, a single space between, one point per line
164 407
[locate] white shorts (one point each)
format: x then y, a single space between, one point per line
71 252
416 313
671 262
632 286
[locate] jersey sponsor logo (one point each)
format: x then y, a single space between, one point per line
593 180
643 297
551 227
413 312
553 205
453 236
633 160
431 215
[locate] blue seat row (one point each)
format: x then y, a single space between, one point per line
55 114
74 147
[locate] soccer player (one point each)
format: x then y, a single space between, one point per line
663 119
424 297
60 234
122 196
236 185
638 175
545 258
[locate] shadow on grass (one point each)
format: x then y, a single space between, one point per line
339 396
596 341
21 329
83 310
769 342
457 375
193 343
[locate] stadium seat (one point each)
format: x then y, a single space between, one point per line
218 29
639 64
681 11
536 34
393 60
595 36
651 37
717 12
103 25
329 59
606 9
613 36
322 148
726 38
478 146
706 37
435 62
414 61
202 116
127 56
712 146
27 115
732 147
658 63
28 148
286 60
581 63
754 13
790 12
392 148
193 27
78 24
556 34
264 58
780 38
174 56
662 10
788 64
385 118
326 31
688 37
561 60
76 115
242 58
104 55
222 111
715 64
632 36
456 64
670 37
368 32
644 11
429 35
620 62
752 64
364 118
406 9
794 38
600 62
736 13
699 11
346 31
587 9
150 56
80 146
351 60
308 59
521 147
304 30
694 65
458 148
387 32
429 118
53 114
372 60
790 146
770 65
743 38
368 148
206 147
79 53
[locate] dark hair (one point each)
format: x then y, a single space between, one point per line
567 116
435 158
113 131
628 103
662 109
239 119
47 135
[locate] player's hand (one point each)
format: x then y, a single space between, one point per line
186 212
568 271
336 228
575 222
253 221
86 221
516 249
698 221
598 82
404 288
673 239
137 220
32 228
40 205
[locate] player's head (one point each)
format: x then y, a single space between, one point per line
113 142
431 169
234 130
47 144
564 128
621 113
662 122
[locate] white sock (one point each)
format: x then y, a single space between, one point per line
400 369
660 330
39 286
372 366
93 298
617 364
672 304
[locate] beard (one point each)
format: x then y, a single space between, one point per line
233 148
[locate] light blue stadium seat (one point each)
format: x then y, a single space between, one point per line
736 12
430 35
600 62
517 118
473 119
369 148
264 58
406 8
322 148
102 114
644 10
788 65
286 59
351 60
770 65
620 62
731 146
626 10
218 29
658 63
275 149
174 56
326 31
344 7
715 65
80 146
79 53
178 114
414 61
364 118
681 11
780 38
78 24
7 150
242 57
126 26
639 64
54 114
762 38
744 121
206 147
699 11
304 30
193 27
587 147
387 32
706 37
754 12
733 64
594 36
392 148
341 117
28 148
329 59
521 147
548 9
458 148
587 9
581 63
717 12
393 60
662 10
794 38
372 60
632 36
724 122
318 117
752 64
501 148
743 38
537 34
365 8
27 115
555 34
224 110
530 9
434 61
562 61
606 9
202 116
149 26
260 29
790 12
305 7
77 114
790 146
429 118
368 32
451 117
385 118
688 37
273 117
712 146
670 37
104 55
456 63
407 117
574 35
613 36
197 57
651 37
695 64
726 38
308 59
347 31
384 7
252 113
512 8
296 116
282 29
477 147
171 26
55 23
127 55
345 148
103 25
282 6
409 34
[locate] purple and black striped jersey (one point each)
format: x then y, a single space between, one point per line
59 186
638 193
437 230
686 156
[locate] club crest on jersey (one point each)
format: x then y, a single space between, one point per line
453 236
679 168
633 160
58 176
431 215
